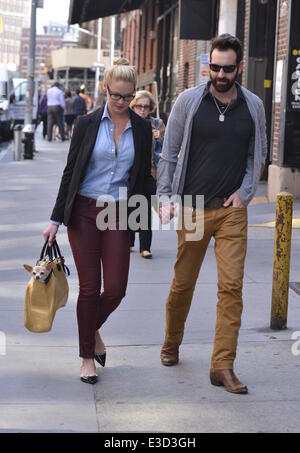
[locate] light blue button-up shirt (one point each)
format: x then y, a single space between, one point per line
107 169
55 96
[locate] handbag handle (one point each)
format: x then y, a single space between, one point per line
46 251
54 251
57 254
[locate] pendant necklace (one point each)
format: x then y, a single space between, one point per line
222 114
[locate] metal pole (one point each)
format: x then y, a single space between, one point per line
112 39
18 142
97 74
156 98
282 253
31 66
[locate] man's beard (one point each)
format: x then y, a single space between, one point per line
224 87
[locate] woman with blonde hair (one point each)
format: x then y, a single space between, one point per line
110 150
143 104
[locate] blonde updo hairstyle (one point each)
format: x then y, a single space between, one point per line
144 94
121 70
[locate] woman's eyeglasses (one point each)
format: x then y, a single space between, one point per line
143 106
118 96
227 68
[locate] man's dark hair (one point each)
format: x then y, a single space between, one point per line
226 42
77 92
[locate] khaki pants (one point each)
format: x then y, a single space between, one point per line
229 228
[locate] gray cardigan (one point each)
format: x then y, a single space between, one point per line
172 166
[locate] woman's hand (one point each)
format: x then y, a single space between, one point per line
156 134
50 233
166 214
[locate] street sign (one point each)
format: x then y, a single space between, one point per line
101 67
295 81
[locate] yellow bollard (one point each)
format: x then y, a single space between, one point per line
282 254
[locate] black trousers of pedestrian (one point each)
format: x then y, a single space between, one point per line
55 116
145 236
44 118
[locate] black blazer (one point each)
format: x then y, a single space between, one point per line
81 147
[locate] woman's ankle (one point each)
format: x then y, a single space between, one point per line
88 367
99 345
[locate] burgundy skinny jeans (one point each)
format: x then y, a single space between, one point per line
92 248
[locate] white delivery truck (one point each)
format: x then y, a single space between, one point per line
18 100
6 114
12 102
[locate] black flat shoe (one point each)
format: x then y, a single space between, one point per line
89 379
101 359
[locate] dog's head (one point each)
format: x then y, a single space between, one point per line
40 271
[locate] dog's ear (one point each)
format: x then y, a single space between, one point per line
28 268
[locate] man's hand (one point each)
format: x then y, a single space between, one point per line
233 200
166 213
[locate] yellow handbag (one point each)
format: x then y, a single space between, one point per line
47 290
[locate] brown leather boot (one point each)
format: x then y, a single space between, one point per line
169 354
227 379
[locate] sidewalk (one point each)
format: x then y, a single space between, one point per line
40 388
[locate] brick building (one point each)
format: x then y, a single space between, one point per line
169 43
151 40
44 46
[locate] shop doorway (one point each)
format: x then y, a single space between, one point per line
261 58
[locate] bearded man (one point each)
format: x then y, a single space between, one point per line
215 145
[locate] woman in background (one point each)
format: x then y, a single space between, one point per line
70 113
144 104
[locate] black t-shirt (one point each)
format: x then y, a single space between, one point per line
218 150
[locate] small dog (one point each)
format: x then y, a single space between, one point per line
40 271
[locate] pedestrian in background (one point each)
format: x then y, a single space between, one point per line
87 99
56 106
110 150
43 113
144 104
70 113
219 129
80 104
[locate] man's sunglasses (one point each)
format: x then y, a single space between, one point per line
227 68
118 96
